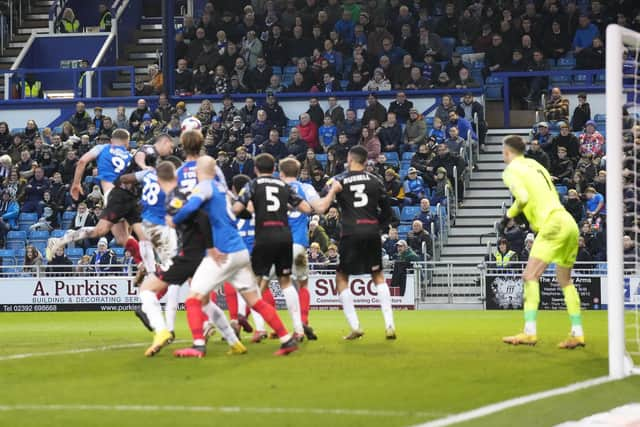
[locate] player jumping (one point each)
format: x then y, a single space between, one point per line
536 198
365 209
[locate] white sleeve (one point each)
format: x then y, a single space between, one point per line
310 193
141 174
98 149
204 190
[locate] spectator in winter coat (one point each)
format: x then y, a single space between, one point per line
534 152
9 212
59 265
274 146
34 192
574 206
417 237
425 217
393 187
275 113
103 257
389 244
374 110
352 127
414 132
401 107
557 107
561 167
413 188
581 114
371 142
318 235
390 134
260 127
448 160
335 111
378 83
296 147
242 163
447 105
591 141
309 132
80 119
567 140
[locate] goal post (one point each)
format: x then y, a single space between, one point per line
620 44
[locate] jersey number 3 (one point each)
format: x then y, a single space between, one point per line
273 203
360 198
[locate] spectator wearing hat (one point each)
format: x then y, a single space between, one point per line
405 253
242 163
147 130
103 258
98 118
449 160
526 250
401 107
454 66
228 111
441 188
574 205
215 136
536 153
591 141
379 82
235 134
413 188
557 107
542 134
414 132
503 256
561 167
595 202
581 114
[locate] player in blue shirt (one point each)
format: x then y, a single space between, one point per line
228 260
113 160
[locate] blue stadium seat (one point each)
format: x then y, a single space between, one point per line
17 130
600 118
276 69
90 251
582 79
344 84
321 157
462 50
16 239
600 78
118 251
560 80
75 252
551 62
405 164
408 213
407 156
41 247
566 64
38 236
403 229
392 157
493 93
478 65
293 123
67 219
7 253
448 44
58 233
291 69
396 211
562 190
25 220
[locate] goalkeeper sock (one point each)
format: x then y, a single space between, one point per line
531 302
572 301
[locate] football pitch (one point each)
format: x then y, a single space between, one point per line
88 369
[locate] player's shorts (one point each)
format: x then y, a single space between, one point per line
265 255
360 254
181 269
164 240
121 204
236 269
300 266
557 240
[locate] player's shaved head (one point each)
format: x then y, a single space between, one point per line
265 163
359 154
289 167
192 142
206 167
166 171
515 144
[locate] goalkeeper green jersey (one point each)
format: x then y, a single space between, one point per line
533 190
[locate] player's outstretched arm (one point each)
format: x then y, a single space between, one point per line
322 205
81 167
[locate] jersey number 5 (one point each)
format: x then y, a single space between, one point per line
360 198
273 203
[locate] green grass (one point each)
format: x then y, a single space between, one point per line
442 363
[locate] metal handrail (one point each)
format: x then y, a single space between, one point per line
455 179
54 14
433 242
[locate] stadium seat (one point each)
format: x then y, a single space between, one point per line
17 131
405 164
463 50
408 213
600 118
41 247
560 80
67 219
403 229
566 64
58 233
38 236
118 251
291 69
90 251
276 69
392 157
321 157
562 190
74 254
582 79
551 62
25 220
407 156
396 211
600 78
293 123
448 44
493 88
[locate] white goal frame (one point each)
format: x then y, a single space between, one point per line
620 364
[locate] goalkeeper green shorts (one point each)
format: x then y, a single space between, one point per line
557 240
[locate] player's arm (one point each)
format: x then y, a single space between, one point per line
298 203
141 158
132 178
516 185
243 201
200 194
81 167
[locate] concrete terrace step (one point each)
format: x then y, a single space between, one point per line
143 55
482 175
29 31
501 193
476 221
466 212
150 41
493 184
490 157
38 16
484 203
464 251
476 231
151 27
464 241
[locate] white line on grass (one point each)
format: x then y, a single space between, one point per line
221 409
77 350
506 404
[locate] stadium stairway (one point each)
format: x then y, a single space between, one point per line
34 20
142 52
466 246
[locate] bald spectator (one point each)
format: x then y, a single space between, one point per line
557 107
80 119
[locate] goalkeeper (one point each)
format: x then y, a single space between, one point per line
536 199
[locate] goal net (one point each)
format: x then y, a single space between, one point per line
623 202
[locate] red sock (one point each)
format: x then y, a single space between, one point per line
267 296
231 296
213 297
161 293
305 299
132 246
195 317
247 312
270 316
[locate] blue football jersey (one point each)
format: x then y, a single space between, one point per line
298 221
247 230
152 200
187 178
112 161
212 196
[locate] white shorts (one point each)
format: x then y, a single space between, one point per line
164 240
300 267
236 269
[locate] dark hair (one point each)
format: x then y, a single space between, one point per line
359 154
265 163
239 181
515 143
